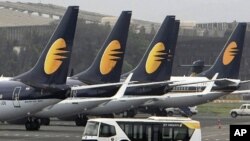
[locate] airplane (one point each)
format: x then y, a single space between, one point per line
225 86
167 34
227 65
71 108
44 84
81 100
155 66
135 102
106 68
196 67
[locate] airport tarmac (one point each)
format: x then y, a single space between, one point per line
67 131
217 128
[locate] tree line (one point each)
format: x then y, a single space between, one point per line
18 56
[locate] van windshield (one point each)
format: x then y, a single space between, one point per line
91 129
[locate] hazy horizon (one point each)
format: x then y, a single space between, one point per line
155 10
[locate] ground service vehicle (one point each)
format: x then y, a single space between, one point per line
244 110
150 129
178 111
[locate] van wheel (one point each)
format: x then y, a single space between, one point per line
234 115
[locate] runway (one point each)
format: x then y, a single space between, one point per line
67 131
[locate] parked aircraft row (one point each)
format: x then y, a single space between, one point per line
45 91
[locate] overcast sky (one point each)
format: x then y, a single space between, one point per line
156 10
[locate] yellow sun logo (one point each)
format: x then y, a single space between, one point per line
110 57
55 56
230 53
155 58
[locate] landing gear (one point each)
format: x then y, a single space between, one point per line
160 112
81 120
129 113
32 124
108 116
45 121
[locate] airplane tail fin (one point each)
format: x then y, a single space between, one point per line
107 65
53 64
228 62
156 64
197 67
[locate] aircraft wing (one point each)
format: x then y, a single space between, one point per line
196 82
229 82
209 86
151 83
241 92
102 100
243 82
98 85
172 84
120 93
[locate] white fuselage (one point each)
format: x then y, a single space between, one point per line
119 105
12 109
70 107
100 106
171 99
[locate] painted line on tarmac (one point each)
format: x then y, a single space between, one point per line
37 135
216 139
212 135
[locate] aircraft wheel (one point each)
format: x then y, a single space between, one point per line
108 116
81 121
160 113
131 113
28 126
36 125
32 125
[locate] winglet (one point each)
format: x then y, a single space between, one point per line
123 88
210 84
